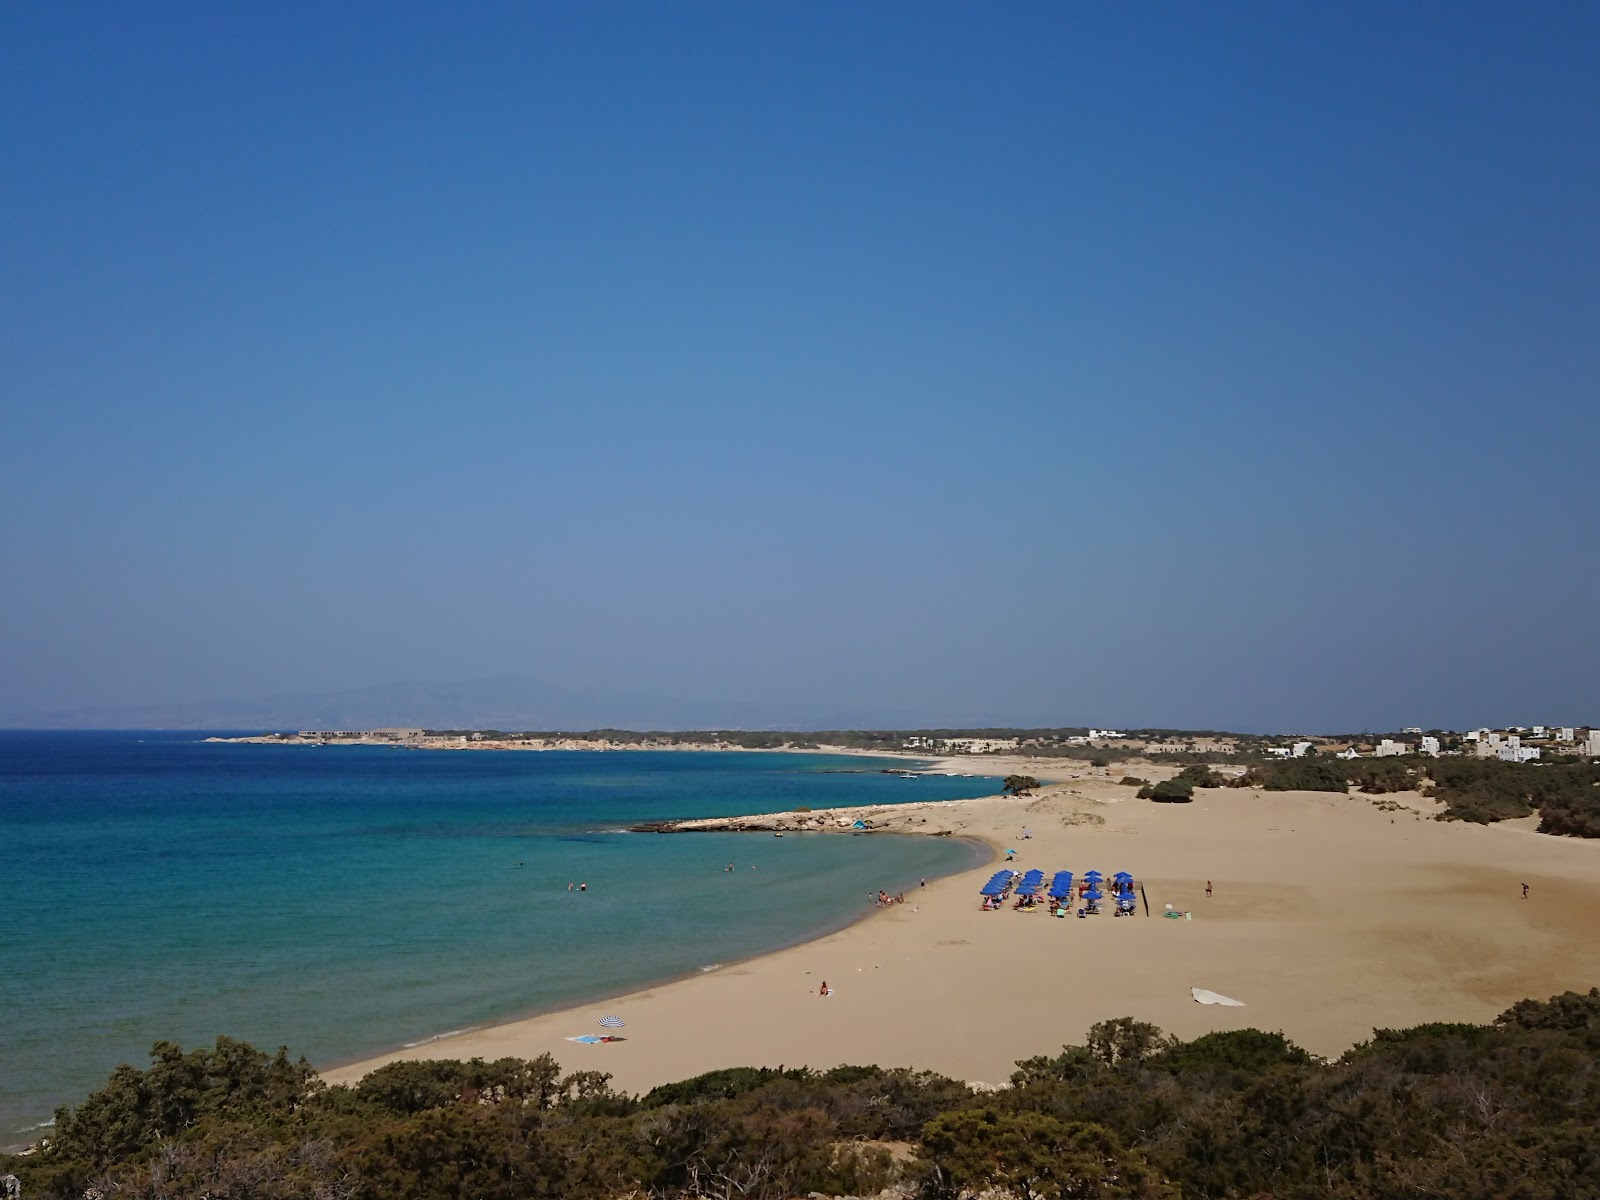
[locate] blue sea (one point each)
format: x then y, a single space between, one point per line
344 900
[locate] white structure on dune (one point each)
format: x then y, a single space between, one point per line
1565 734
1105 733
1298 750
1430 745
1591 744
1389 748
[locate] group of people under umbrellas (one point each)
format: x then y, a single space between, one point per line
1063 889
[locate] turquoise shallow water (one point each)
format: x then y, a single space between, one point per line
345 900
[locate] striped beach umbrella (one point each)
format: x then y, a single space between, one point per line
611 1022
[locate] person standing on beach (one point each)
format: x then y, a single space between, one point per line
823 990
1208 887
1524 891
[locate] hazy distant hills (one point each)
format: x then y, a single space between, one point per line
506 703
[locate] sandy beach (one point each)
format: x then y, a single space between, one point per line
1331 915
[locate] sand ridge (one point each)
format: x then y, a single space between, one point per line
1331 915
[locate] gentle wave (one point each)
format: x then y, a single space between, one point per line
439 1037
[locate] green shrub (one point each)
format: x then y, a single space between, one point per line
1168 791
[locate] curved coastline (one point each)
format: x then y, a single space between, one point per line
1332 916
984 851
494 946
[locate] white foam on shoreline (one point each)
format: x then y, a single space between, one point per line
439 1037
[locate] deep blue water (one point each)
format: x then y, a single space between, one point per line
345 900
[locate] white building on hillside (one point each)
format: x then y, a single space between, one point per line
1565 734
1389 748
1296 751
1518 753
1430 745
1591 744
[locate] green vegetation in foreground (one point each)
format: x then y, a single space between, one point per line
1509 1111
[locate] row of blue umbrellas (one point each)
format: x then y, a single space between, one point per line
1031 883
1060 885
998 883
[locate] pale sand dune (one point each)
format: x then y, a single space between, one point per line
1331 917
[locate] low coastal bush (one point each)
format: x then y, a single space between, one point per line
1479 1112
1132 781
1311 774
1168 791
1565 793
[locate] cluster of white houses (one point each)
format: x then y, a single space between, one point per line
972 745
1511 745
1519 745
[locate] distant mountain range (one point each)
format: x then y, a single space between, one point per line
503 703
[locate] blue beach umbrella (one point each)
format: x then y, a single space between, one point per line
1093 876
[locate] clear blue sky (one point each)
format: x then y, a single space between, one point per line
1209 365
